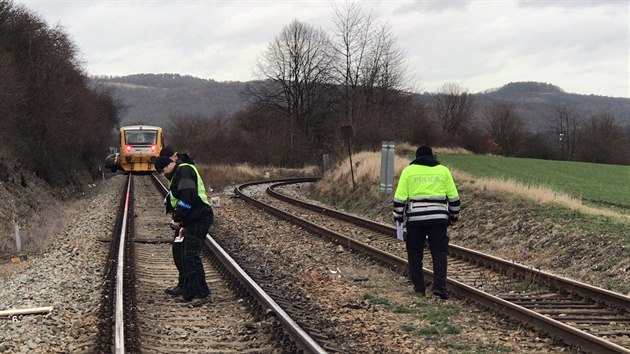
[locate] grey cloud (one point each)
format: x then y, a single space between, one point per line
481 44
432 6
571 3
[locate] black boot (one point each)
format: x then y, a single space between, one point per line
442 293
176 291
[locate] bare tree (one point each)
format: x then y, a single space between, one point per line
384 71
352 32
601 140
505 127
564 124
295 74
453 109
369 61
303 74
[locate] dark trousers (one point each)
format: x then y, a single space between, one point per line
438 244
194 276
177 258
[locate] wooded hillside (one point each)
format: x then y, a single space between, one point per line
155 98
537 101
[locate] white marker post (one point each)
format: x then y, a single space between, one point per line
18 242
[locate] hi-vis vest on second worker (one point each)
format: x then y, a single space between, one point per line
201 191
428 193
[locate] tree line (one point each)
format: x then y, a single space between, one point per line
53 123
313 82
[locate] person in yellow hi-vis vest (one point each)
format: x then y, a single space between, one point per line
427 197
169 203
192 216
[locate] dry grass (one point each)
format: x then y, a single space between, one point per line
219 177
447 150
366 167
406 148
367 171
336 187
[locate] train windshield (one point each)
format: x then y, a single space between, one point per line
141 137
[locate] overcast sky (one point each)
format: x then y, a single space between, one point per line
581 46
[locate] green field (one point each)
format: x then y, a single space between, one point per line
598 183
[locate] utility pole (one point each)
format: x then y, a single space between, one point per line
346 133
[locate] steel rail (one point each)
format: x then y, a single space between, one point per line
298 336
611 298
119 325
569 334
386 258
353 219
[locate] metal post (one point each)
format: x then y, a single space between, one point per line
18 242
325 163
354 187
387 167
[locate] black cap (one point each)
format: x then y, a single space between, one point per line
167 151
161 162
424 151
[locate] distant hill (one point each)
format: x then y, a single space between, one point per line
536 101
154 98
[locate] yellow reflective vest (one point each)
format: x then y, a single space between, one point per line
426 195
201 190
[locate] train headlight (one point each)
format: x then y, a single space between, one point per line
128 148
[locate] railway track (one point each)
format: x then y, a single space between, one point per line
137 316
589 318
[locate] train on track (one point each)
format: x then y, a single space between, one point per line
139 146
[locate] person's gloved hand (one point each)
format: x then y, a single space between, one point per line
175 225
